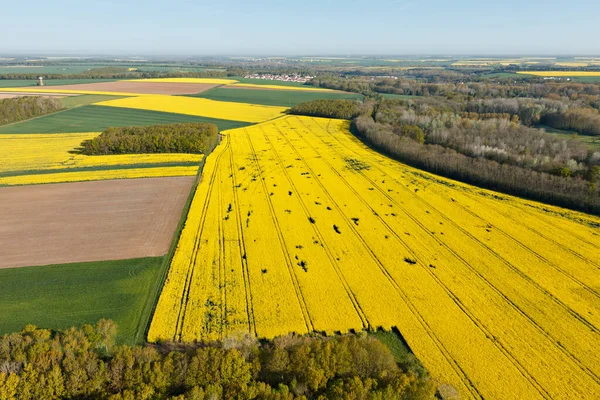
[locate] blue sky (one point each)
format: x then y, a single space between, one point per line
309 27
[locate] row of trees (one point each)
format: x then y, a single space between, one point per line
481 143
342 109
117 73
86 363
463 86
561 189
21 108
195 138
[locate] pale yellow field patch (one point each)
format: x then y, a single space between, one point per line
199 107
40 89
210 81
82 176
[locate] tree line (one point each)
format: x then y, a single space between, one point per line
341 109
116 73
21 108
87 363
195 138
490 150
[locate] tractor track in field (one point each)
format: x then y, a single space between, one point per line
554 341
243 259
300 296
446 354
349 292
192 265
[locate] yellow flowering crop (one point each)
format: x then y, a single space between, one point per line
297 226
45 89
210 81
28 159
80 176
199 107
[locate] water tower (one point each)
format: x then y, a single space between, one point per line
40 81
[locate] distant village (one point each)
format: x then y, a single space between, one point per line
284 78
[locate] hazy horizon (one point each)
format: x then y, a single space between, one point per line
312 28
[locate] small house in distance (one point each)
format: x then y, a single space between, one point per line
40 81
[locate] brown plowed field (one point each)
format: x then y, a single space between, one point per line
138 87
89 221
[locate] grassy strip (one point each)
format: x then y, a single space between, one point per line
61 296
86 99
284 98
95 168
93 118
141 331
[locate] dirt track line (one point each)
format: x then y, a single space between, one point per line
351 295
243 259
300 297
192 266
445 353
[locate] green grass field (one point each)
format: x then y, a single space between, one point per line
7 83
396 96
285 98
593 142
85 99
61 296
98 118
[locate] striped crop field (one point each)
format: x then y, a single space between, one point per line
198 107
284 98
35 159
298 227
92 118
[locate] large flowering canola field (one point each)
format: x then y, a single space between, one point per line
298 227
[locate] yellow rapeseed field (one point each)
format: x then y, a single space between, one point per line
97 175
210 81
297 227
560 73
199 107
47 158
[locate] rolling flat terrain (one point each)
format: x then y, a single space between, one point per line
89 221
297 227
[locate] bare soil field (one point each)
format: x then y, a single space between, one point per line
140 87
89 221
